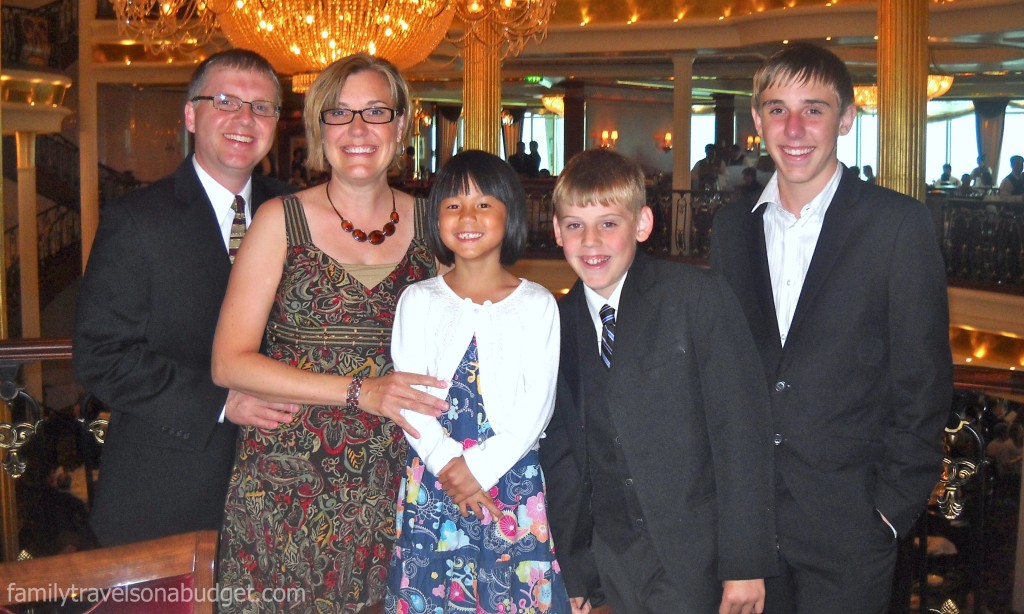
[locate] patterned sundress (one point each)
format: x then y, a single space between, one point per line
443 563
309 516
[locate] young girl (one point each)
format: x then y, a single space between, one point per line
472 520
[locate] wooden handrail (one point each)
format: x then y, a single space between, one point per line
32 350
188 554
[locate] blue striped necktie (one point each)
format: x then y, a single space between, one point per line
607 334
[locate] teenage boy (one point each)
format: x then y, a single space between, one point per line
657 457
844 290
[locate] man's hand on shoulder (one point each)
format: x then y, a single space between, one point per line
742 597
246 410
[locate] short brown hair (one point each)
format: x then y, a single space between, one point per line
600 177
323 95
804 63
232 59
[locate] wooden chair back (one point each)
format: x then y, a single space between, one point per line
176 573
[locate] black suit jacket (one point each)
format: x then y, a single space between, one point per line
147 311
862 388
688 401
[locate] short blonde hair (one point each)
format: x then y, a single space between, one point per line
803 63
600 177
323 95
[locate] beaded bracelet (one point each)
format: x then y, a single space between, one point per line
352 395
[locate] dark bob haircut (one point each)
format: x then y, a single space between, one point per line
492 176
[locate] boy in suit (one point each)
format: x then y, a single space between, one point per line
844 290
657 456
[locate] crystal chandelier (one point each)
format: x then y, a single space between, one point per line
512 23
866 96
304 36
939 85
169 26
490 31
554 104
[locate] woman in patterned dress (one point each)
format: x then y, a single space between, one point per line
309 516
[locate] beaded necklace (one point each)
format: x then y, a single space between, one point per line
375 237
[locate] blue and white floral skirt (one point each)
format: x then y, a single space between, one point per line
443 563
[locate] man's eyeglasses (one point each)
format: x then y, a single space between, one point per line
232 104
372 115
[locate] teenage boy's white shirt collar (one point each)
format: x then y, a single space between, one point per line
819 204
790 243
222 198
595 301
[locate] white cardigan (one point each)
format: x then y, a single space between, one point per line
517 345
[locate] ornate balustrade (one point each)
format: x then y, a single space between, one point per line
44 37
960 492
26 415
982 240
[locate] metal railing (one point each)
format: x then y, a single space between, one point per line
982 240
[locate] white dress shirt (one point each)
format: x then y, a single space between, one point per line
790 242
222 199
595 302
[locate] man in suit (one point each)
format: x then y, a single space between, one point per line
148 308
844 291
657 456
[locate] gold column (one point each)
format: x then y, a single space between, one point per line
902 98
8 506
481 90
88 134
682 115
28 255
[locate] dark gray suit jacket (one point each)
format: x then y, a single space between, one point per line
148 308
687 399
862 389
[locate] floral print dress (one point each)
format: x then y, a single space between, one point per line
443 563
309 517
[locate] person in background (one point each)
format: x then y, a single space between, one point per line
533 160
519 161
869 174
737 156
307 317
844 289
659 366
750 188
965 189
947 178
473 499
148 307
707 172
1012 186
981 176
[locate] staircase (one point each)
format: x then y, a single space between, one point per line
60 239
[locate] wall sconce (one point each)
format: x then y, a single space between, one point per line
608 139
554 104
507 119
666 142
754 143
866 97
422 117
